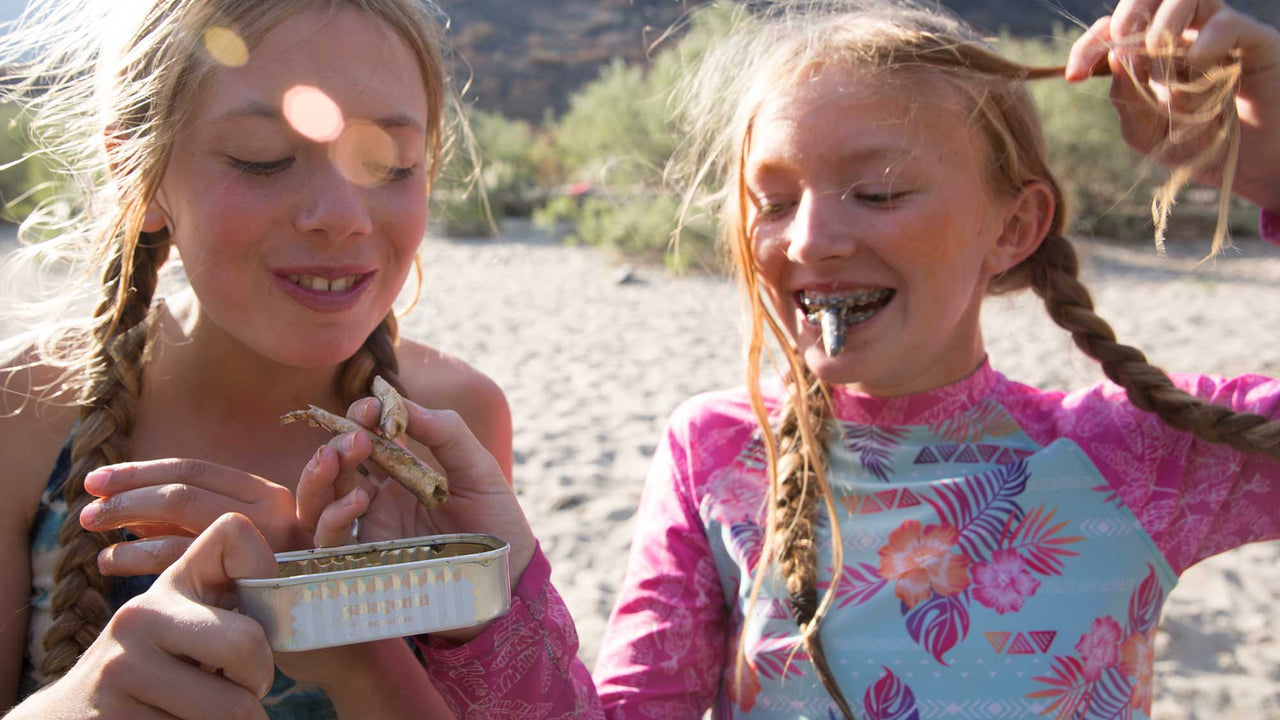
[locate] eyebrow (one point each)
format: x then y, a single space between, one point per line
893 155
254 108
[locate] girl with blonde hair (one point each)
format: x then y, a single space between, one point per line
283 152
892 527
888 527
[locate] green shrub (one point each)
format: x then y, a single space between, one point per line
23 183
616 139
641 227
487 176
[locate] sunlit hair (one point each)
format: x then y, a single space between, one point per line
778 45
107 84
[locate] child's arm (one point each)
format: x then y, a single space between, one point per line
1211 32
666 641
32 430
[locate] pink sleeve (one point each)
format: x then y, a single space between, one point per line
1269 225
1193 497
524 665
664 647
1228 498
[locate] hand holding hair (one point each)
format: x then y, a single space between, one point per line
1161 48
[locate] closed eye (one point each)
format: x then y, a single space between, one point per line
875 198
268 167
767 210
392 174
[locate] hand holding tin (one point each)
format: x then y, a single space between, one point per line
189 653
428 486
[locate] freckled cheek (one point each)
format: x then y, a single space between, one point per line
770 264
402 216
239 209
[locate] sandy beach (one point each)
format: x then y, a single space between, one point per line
592 367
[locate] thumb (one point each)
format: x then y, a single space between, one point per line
452 443
229 549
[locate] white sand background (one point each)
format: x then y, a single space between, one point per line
592 368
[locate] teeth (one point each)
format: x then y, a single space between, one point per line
837 313
312 282
814 301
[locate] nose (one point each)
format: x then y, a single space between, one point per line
818 230
335 206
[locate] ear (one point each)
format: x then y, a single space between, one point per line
155 219
1026 222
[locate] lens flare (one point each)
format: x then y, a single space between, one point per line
226 46
364 153
313 114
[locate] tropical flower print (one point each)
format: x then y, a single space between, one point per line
923 561
1137 660
1100 647
890 699
1004 583
1112 675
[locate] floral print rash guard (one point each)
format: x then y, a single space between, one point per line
1007 553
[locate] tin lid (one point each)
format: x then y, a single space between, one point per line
373 558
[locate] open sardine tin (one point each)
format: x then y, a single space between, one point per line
372 591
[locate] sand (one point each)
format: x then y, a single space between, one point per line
592 368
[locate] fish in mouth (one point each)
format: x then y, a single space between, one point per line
836 313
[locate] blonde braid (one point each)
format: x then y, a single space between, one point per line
376 357
795 501
802 435
1053 276
108 405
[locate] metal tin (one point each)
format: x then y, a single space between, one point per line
372 591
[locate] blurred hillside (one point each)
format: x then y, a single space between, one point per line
529 56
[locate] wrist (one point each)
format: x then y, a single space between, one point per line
357 670
520 555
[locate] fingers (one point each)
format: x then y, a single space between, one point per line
1228 30
1089 50
452 443
115 479
150 556
162 678
223 641
1215 41
315 487
366 411
1173 18
1155 21
334 526
202 696
231 549
181 505
332 473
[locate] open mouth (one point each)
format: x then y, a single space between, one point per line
319 284
835 313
